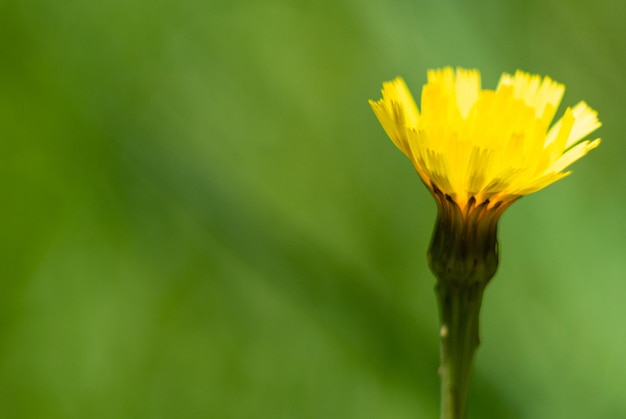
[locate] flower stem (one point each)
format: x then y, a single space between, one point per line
459 309
463 255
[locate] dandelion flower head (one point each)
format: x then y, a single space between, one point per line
479 145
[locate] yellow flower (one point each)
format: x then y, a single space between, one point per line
476 145
478 151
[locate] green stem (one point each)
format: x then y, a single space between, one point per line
459 309
463 255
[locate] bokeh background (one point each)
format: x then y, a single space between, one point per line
202 218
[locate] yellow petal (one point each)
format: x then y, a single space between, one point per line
573 154
396 111
586 122
467 88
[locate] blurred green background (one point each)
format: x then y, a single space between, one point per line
202 217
